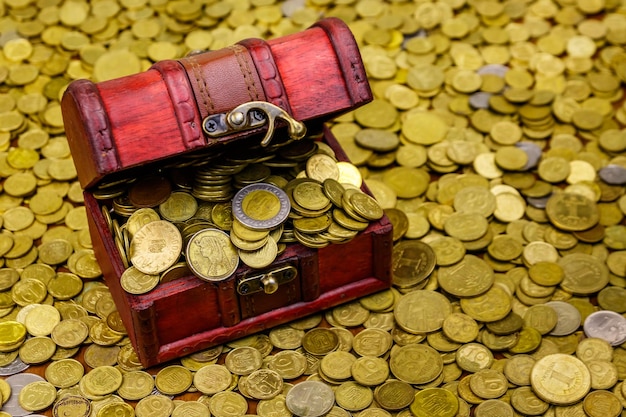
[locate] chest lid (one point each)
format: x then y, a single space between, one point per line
203 101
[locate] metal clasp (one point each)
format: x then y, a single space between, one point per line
267 282
249 116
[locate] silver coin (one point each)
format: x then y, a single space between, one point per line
480 100
493 69
538 202
613 174
310 399
17 382
606 325
568 318
264 224
534 154
14 367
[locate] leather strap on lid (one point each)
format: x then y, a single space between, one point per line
268 72
223 79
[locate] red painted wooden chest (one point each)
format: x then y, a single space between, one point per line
199 107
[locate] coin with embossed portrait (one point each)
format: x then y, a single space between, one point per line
211 255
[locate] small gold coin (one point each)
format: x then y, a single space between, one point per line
243 360
320 341
423 357
37 396
136 282
435 402
64 373
212 379
103 380
136 385
173 380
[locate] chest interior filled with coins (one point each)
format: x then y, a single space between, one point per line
211 246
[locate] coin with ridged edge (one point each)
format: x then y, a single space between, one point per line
261 206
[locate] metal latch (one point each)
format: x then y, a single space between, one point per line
267 282
249 116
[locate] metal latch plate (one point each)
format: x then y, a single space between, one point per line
267 282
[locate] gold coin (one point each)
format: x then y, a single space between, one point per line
11 333
366 206
136 385
353 397
406 360
36 396
103 380
134 281
213 245
434 402
148 404
155 247
41 320
173 380
561 204
64 373
320 341
212 379
370 371
37 350
243 360
262 257
227 404
560 379
309 195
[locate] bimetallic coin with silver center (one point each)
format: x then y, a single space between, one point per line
261 206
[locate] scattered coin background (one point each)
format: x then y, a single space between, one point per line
520 99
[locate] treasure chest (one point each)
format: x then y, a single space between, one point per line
231 133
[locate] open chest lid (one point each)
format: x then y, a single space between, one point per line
206 100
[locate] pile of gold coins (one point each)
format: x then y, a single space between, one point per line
295 193
495 144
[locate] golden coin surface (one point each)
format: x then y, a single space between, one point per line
262 257
154 405
320 341
468 278
320 167
264 384
212 379
353 397
560 379
173 380
178 207
134 281
103 380
37 395
243 360
136 385
407 360
211 255
64 373
434 402
155 247
561 205
422 311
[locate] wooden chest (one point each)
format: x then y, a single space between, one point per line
163 120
